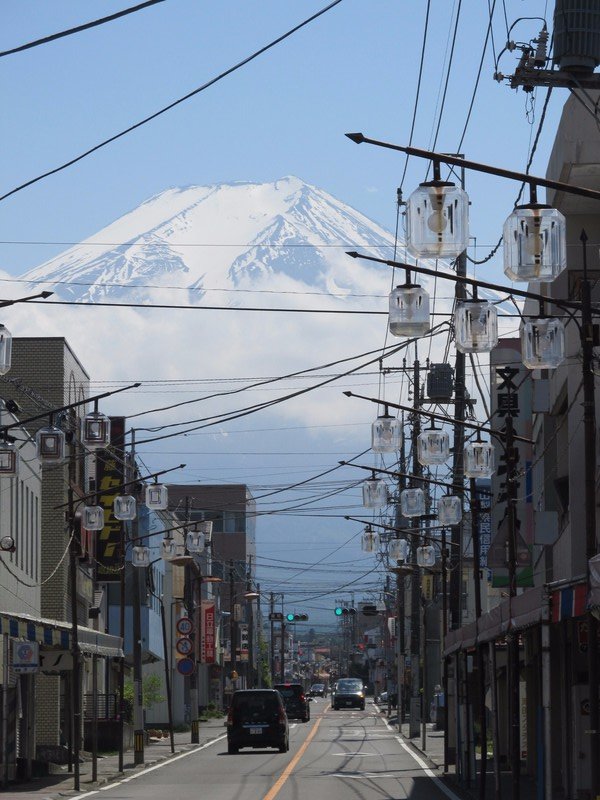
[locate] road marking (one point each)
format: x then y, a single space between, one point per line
430 774
362 755
290 767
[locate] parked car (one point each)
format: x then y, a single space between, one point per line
257 718
349 693
296 702
317 690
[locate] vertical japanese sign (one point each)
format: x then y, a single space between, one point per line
511 389
109 477
207 640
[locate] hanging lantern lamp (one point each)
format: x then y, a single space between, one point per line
476 326
543 343
95 430
412 502
205 527
426 556
140 556
9 460
157 497
409 310
535 242
479 459
386 434
433 446
398 549
5 350
92 518
169 549
50 443
374 492
437 219
370 540
124 507
194 542
449 510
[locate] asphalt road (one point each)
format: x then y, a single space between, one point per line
337 755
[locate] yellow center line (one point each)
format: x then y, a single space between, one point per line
274 790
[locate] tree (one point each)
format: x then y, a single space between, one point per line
151 694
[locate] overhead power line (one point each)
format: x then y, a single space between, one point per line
86 26
163 110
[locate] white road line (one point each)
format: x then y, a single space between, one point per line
148 769
360 755
430 774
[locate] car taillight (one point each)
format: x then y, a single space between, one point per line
302 697
281 715
230 717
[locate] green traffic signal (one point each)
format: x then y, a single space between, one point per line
290 617
339 611
296 617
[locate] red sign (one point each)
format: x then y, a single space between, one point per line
207 641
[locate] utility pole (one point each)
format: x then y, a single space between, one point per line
76 673
513 641
272 638
591 547
232 628
138 700
192 609
479 647
415 600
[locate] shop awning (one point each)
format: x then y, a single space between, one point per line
55 633
513 614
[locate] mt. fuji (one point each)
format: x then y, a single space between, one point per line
226 237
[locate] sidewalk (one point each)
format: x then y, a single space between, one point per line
61 785
433 752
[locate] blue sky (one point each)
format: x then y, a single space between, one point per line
355 68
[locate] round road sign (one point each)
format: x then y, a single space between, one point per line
185 666
184 646
185 626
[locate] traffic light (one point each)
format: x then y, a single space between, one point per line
343 611
296 617
369 610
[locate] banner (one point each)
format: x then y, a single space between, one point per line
207 633
109 477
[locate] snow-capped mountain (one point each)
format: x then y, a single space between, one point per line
222 237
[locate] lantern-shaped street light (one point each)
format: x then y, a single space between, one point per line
543 343
5 350
476 326
370 541
386 434
124 507
409 310
140 556
194 542
374 492
426 556
479 459
412 502
535 242
169 549
157 497
92 518
437 219
205 527
50 443
449 510
95 430
398 549
433 446
9 460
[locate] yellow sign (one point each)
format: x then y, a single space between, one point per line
427 587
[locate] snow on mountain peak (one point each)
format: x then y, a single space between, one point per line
217 237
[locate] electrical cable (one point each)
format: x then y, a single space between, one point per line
175 103
86 26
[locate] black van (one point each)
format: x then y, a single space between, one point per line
257 718
296 702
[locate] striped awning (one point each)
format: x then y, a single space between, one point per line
55 633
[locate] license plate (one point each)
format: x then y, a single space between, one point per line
255 731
